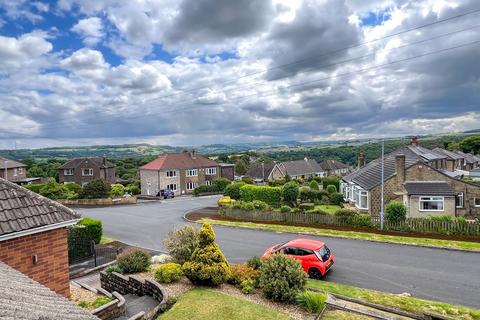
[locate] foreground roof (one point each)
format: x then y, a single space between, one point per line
299 167
22 298
23 210
183 160
371 174
332 165
10 163
436 188
74 163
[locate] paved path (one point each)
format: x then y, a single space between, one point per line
436 274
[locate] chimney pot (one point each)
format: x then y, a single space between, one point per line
361 160
400 168
414 141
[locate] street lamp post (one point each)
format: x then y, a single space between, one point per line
381 195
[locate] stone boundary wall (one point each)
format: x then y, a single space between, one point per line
111 310
130 284
98 202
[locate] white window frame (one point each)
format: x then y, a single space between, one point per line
20 170
475 202
191 173
362 193
423 199
90 170
190 185
211 171
461 200
15 172
171 173
208 182
68 172
174 185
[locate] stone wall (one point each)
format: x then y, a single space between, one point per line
129 284
149 182
42 256
111 310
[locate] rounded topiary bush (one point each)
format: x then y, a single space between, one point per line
282 278
314 185
331 188
395 212
208 265
168 273
133 261
285 209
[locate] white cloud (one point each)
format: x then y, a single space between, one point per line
90 29
16 52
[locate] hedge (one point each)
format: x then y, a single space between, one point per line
270 195
86 229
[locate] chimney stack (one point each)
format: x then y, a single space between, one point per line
104 160
192 154
414 141
361 160
400 168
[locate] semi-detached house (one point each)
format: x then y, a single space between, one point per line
179 172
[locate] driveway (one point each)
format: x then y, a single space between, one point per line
435 274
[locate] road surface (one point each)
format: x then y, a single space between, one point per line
436 274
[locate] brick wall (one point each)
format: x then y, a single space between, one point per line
14 173
50 247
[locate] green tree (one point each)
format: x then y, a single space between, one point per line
55 191
240 167
395 212
314 185
117 190
471 145
290 193
96 189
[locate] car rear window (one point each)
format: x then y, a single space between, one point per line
323 253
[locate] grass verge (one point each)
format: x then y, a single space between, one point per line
106 240
410 304
472 246
205 304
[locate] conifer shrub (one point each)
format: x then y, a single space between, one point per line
168 273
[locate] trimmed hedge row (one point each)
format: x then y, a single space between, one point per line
86 229
269 195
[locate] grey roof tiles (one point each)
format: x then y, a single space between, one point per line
437 188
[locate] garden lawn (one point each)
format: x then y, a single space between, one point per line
471 246
329 208
202 303
410 304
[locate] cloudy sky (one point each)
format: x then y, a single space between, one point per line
186 72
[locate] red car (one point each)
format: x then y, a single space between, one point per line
315 257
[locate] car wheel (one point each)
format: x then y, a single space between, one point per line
314 273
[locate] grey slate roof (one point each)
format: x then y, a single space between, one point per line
449 154
467 156
371 174
425 153
10 163
255 170
22 209
428 188
22 298
332 165
300 167
74 163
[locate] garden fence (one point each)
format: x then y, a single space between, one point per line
421 225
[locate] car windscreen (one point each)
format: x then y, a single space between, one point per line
323 253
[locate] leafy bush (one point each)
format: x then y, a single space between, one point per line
73 187
331 189
208 265
314 185
161 258
336 198
290 192
247 286
282 278
313 302
443 218
395 212
168 273
204 189
254 262
132 188
363 220
224 201
35 187
221 183
317 211
242 272
180 243
307 206
114 268
86 229
307 194
346 216
117 190
285 209
270 195
55 191
233 190
133 261
98 302
247 206
260 205
332 180
96 189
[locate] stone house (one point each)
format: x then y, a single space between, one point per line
334 168
83 170
262 172
304 169
33 236
26 299
416 176
179 172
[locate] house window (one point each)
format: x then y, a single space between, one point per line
192 172
171 173
172 187
476 202
208 182
20 170
362 199
459 200
87 172
431 203
211 171
15 172
191 185
68 172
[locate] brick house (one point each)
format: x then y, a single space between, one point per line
12 170
33 236
179 172
421 178
83 170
